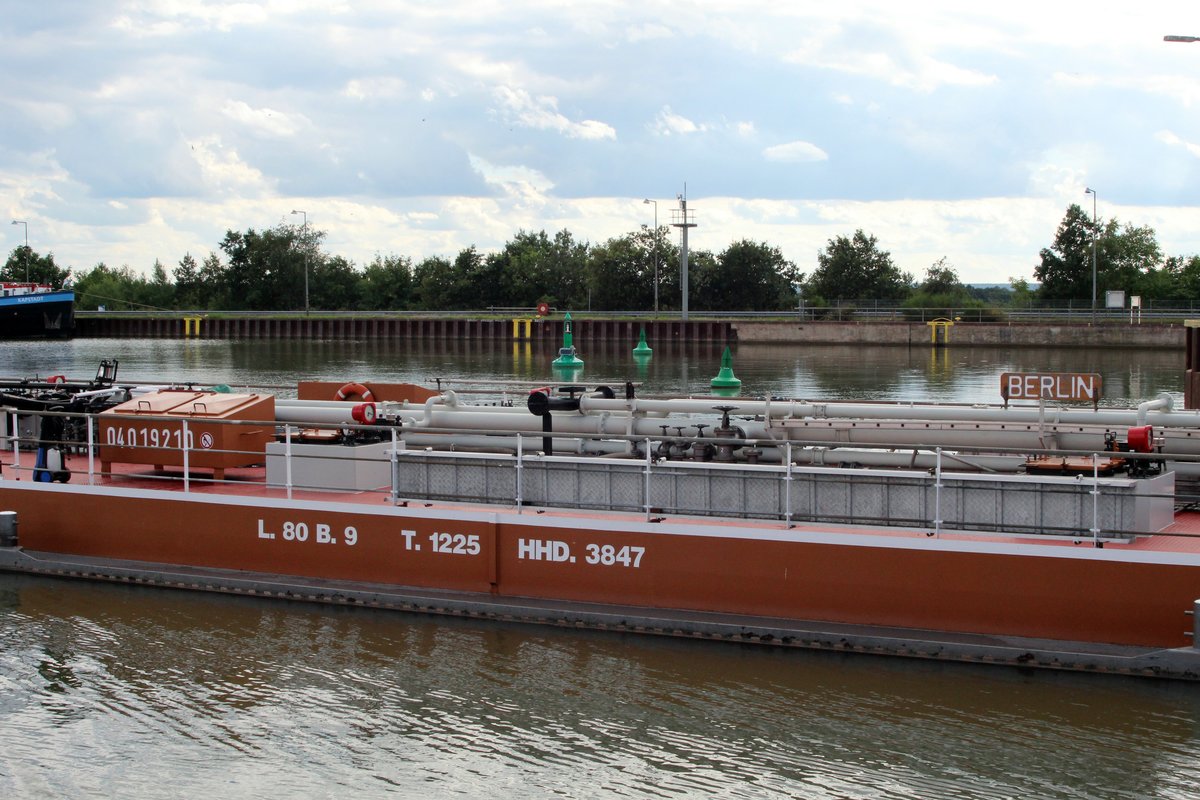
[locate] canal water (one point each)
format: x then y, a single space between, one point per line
925 374
125 691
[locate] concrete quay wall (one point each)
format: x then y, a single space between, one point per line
325 326
549 331
972 334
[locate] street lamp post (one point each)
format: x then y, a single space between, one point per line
304 243
1092 192
655 202
26 253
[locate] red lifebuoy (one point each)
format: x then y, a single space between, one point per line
543 309
57 379
351 389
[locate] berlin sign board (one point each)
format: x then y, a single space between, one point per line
1067 387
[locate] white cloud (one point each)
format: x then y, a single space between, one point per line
797 152
1060 173
221 168
524 178
142 29
919 72
541 113
647 31
309 103
1167 137
376 88
669 123
266 121
171 16
47 115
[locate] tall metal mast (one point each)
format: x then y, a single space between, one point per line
684 219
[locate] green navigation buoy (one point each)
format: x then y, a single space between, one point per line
725 378
642 348
567 357
642 362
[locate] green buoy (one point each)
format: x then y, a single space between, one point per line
642 348
725 378
567 357
642 362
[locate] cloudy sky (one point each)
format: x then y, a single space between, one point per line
143 130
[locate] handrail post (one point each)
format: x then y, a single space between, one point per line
519 467
16 443
937 496
91 451
287 459
649 461
1095 501
394 456
187 473
787 485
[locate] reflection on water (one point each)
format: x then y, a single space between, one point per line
920 374
122 691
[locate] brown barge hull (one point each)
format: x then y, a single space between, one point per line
1063 607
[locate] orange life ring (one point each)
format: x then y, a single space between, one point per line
351 389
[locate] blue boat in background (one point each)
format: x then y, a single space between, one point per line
30 310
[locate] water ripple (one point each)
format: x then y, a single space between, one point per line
103 689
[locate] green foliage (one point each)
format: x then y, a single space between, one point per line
386 284
1176 284
119 290
941 278
1065 271
855 268
942 294
214 289
25 264
534 268
620 274
1022 295
1126 257
187 283
431 283
267 271
922 306
747 276
158 292
333 284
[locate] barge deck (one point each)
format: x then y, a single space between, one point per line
747 535
249 486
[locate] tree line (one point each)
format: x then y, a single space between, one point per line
285 268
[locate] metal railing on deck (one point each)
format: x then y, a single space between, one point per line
938 500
